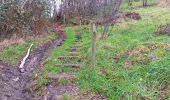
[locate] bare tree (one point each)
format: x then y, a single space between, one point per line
145 2
106 12
89 8
130 2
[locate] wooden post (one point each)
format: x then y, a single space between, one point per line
80 26
94 36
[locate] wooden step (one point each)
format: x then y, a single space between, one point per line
78 40
66 76
75 49
60 43
78 37
74 53
77 34
69 65
69 57
77 45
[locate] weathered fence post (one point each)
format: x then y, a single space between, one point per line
94 36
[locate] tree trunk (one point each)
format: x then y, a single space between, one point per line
145 3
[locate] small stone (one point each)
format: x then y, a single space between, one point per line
16 79
21 70
8 95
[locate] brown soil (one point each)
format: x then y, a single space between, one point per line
13 83
134 16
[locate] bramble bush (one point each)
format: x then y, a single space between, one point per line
23 19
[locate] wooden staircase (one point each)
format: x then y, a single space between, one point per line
74 56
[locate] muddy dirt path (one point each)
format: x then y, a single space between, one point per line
57 91
13 82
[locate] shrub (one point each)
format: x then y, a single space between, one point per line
25 19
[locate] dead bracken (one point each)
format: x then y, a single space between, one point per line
163 29
143 54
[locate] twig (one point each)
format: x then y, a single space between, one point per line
21 67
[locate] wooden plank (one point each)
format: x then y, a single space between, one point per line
78 45
75 49
78 40
74 53
59 44
66 76
68 65
77 35
68 57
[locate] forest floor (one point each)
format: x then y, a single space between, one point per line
132 63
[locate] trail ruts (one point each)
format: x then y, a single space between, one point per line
13 82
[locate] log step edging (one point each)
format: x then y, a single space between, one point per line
69 65
69 57
75 49
74 53
66 76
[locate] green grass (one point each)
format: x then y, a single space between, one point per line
136 4
14 53
132 63
50 66
60 51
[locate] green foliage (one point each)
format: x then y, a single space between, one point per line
2 11
23 19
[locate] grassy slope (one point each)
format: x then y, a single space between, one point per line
132 63
62 50
50 66
15 53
